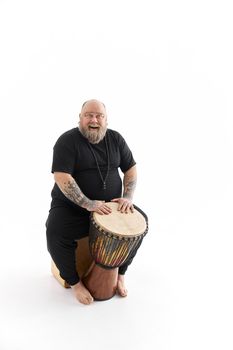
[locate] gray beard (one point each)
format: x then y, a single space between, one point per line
93 136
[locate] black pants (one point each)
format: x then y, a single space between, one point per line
64 227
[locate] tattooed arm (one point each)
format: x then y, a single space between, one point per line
129 182
71 190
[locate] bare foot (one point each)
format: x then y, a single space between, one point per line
82 294
121 290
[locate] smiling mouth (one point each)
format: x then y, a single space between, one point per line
93 127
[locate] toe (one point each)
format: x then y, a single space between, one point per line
122 292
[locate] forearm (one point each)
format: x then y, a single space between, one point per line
71 190
129 182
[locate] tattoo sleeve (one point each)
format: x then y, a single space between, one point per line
72 191
130 180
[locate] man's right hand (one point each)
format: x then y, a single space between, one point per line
99 207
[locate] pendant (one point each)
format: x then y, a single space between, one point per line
104 186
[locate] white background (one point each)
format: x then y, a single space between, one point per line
164 70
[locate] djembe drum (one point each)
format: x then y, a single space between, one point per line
113 240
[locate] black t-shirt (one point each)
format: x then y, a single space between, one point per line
73 155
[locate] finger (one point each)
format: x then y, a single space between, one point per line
105 211
124 207
132 208
120 206
98 211
108 208
128 207
115 200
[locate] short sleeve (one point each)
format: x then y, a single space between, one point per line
64 155
127 160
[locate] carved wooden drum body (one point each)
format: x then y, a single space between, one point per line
113 239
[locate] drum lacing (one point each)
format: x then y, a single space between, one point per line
115 236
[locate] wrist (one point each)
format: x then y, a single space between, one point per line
86 203
127 196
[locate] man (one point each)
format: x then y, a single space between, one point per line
85 167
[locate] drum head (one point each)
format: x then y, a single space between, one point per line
122 224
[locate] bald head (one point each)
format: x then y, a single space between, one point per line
93 104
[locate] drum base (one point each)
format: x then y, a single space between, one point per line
101 283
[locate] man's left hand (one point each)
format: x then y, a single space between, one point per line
125 204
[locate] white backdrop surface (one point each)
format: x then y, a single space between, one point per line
164 70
